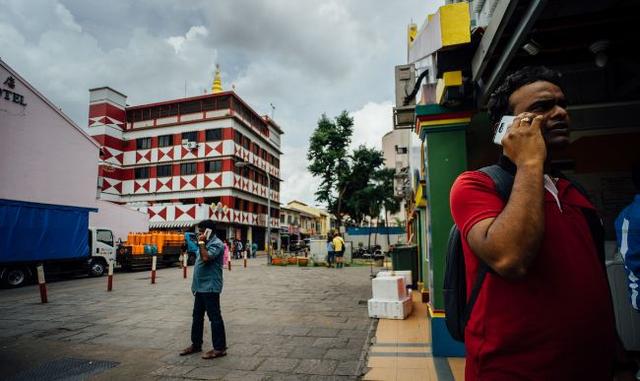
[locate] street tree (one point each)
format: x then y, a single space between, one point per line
328 160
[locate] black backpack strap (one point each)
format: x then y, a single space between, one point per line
596 227
502 179
483 269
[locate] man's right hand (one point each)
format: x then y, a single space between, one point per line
523 143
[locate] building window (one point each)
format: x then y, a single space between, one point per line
211 200
282 218
143 143
163 170
165 141
187 169
191 136
245 142
142 173
214 166
214 135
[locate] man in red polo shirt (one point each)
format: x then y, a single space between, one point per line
544 310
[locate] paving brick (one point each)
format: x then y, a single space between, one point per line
275 364
208 373
321 367
330 342
342 354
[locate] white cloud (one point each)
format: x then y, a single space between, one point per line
67 18
370 123
194 33
306 58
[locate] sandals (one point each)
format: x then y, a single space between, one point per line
212 354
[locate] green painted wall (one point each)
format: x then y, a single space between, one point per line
420 240
445 159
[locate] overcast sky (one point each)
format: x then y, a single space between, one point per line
304 57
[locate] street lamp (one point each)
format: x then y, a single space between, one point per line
243 164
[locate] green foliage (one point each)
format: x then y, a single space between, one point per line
329 160
354 185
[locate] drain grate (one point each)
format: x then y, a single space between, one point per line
362 302
67 369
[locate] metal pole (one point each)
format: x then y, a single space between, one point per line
268 218
42 284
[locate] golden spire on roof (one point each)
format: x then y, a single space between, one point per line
217 81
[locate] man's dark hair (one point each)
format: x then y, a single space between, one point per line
498 104
207 224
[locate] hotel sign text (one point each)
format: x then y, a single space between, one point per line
10 95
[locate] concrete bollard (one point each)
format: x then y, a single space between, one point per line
110 276
154 261
42 284
184 266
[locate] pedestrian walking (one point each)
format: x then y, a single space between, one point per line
254 249
537 249
338 247
238 249
206 288
226 257
330 251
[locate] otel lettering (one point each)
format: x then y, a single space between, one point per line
10 95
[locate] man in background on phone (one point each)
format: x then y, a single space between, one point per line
544 309
207 287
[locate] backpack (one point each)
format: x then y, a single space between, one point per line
457 309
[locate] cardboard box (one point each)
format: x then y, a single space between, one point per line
387 309
389 288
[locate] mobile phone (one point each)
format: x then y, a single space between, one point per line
502 129
207 233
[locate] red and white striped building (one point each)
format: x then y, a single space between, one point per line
175 160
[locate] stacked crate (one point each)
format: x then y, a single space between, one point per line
390 298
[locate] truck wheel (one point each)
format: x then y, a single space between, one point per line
15 276
191 259
96 267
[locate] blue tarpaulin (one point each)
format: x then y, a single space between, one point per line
380 230
36 232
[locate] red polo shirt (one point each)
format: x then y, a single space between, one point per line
557 322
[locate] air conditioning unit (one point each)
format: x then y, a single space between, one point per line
191 145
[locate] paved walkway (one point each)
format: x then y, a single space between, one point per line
402 351
283 323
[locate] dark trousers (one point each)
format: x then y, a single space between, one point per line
209 302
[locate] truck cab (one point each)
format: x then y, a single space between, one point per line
102 249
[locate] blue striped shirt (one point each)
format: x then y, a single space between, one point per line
628 235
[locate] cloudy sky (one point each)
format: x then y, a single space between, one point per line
304 57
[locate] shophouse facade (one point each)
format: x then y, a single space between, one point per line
189 159
461 54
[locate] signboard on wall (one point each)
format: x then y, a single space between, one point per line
7 93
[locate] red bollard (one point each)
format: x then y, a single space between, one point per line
245 259
229 264
153 269
42 284
110 277
184 265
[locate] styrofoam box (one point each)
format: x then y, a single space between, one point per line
388 309
389 288
406 274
